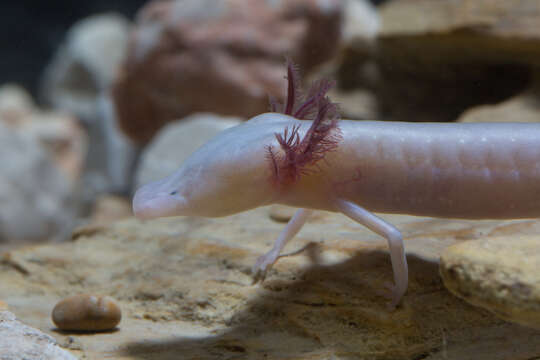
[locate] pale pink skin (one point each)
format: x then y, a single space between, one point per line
454 170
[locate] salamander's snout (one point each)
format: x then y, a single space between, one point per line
157 200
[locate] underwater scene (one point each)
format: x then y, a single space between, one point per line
270 179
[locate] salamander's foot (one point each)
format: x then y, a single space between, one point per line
394 295
262 265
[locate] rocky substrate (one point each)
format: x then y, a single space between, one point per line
185 290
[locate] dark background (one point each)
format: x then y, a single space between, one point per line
31 30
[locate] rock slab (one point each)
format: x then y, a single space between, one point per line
185 289
500 274
438 58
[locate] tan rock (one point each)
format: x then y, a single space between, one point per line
189 56
524 107
281 213
500 274
356 104
438 58
479 29
184 286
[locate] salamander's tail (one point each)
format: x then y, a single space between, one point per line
322 136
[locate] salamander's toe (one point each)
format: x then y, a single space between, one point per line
393 294
262 265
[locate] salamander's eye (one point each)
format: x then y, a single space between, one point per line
174 192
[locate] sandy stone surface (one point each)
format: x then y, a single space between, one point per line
185 291
501 274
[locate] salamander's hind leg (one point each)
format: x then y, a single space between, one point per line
395 243
265 262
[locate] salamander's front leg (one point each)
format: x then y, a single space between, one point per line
265 262
395 243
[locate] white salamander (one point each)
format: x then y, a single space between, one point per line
455 170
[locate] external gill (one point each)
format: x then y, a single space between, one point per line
322 136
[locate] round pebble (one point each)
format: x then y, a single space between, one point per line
281 213
86 313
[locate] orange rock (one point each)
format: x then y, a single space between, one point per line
86 313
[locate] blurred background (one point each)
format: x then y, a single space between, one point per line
99 97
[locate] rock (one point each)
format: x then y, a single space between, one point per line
356 104
281 213
16 105
63 138
110 208
85 65
524 107
20 341
175 142
184 286
58 133
355 70
481 29
495 30
189 56
361 23
464 53
35 196
499 274
86 313
78 81
114 155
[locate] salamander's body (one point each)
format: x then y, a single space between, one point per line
463 170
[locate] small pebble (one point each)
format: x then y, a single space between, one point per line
281 213
86 313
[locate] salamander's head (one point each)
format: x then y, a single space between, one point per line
229 174
238 170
